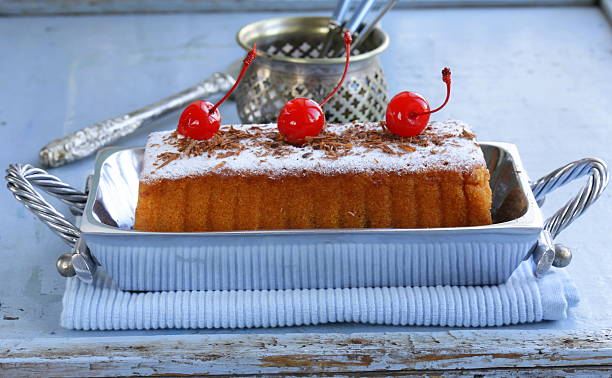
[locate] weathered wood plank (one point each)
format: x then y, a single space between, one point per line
309 353
46 7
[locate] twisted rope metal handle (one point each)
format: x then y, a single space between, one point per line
597 182
22 178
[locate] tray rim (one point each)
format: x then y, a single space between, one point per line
531 221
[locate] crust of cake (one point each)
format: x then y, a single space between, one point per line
225 202
353 175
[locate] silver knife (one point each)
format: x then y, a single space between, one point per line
88 140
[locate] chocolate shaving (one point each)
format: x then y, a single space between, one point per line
468 135
386 149
406 148
168 158
230 142
189 147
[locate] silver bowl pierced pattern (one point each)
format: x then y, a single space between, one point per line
289 66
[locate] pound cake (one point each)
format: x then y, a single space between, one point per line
352 175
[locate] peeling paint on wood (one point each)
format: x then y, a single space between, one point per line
309 353
312 361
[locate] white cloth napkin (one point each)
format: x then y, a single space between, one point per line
523 299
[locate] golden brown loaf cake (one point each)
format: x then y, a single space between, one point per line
350 176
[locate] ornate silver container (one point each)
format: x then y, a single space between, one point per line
289 65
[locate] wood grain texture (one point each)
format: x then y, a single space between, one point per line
463 351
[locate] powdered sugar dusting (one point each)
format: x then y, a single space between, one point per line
447 145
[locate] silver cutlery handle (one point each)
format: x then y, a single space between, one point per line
88 140
366 32
362 10
341 9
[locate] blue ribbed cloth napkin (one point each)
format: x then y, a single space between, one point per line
523 299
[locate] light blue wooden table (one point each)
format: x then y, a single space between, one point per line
536 77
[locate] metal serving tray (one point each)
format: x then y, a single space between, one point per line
297 259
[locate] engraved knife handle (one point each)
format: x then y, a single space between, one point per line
88 140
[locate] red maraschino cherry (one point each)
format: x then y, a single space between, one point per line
408 112
302 117
201 119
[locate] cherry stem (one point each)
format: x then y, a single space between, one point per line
446 77
245 64
347 45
